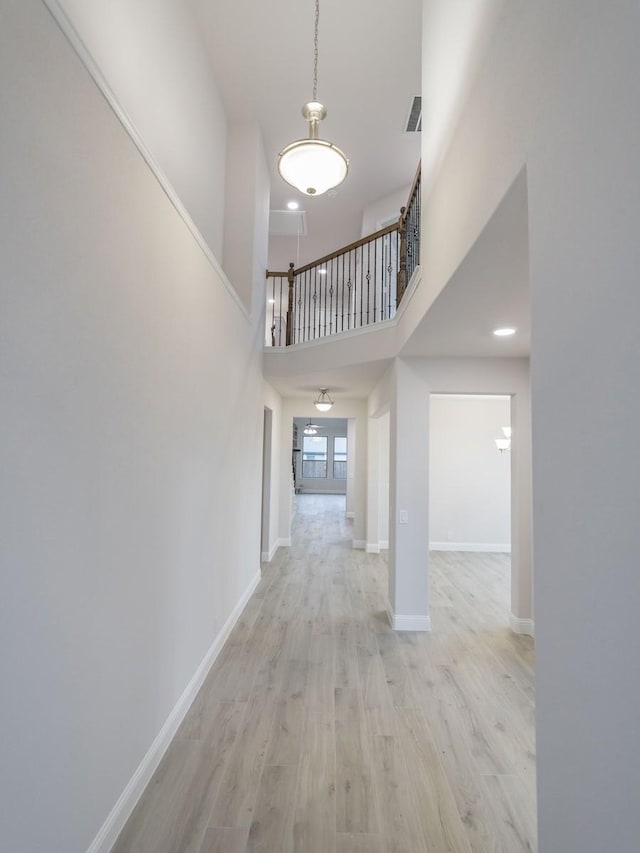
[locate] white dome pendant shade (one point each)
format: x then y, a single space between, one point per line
313 165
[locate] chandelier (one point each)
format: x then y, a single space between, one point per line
313 165
323 402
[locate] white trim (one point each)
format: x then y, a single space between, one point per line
409 623
372 548
384 544
85 56
350 515
485 547
359 544
267 556
279 543
522 626
120 813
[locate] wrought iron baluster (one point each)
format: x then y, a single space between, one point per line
315 300
298 305
361 281
349 287
375 277
330 277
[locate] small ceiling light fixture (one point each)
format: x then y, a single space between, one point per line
323 402
310 429
293 205
313 165
505 332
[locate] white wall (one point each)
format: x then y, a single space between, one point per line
406 389
558 95
152 55
374 215
131 494
469 480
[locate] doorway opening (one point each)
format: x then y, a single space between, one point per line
470 504
265 517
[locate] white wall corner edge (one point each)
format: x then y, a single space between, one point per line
122 810
400 622
522 626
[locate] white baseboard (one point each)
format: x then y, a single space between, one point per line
409 623
279 543
350 514
485 547
120 813
522 626
360 544
372 548
384 545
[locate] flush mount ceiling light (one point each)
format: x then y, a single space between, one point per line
313 165
323 402
293 205
504 332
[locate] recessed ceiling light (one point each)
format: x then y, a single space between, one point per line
293 205
505 332
322 272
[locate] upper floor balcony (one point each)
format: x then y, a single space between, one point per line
354 287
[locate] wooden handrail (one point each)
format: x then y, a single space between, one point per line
412 193
388 229
403 254
355 245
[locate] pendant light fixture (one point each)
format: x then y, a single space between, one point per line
313 165
310 429
323 402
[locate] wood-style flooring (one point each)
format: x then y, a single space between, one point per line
320 730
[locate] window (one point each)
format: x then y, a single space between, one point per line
314 456
339 457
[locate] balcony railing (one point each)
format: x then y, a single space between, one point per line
360 284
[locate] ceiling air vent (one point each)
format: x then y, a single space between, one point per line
414 122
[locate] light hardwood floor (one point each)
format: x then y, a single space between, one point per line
320 730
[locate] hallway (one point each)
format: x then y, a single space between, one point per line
319 729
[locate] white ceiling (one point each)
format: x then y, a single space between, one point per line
369 69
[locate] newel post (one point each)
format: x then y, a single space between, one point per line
291 279
402 261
